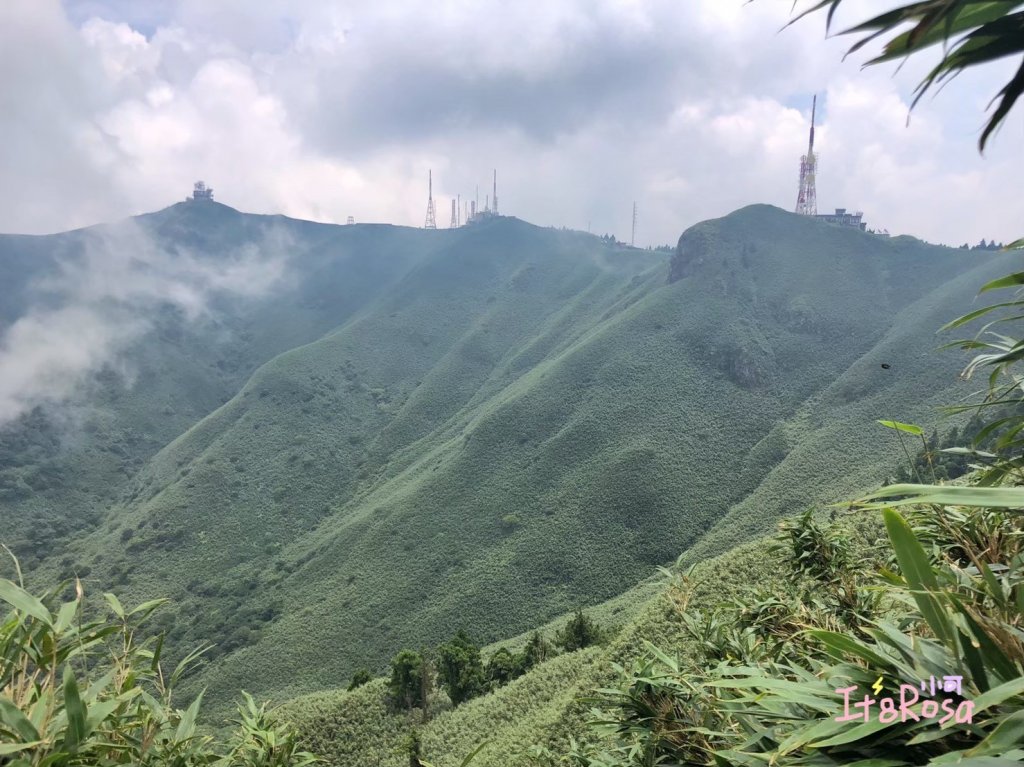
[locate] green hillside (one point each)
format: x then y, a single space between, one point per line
61 468
491 426
551 705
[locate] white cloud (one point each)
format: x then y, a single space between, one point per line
103 298
330 109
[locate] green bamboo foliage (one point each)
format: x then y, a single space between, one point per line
954 608
82 685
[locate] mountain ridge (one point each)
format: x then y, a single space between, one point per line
493 426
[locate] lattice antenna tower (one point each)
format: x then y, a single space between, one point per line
431 222
495 195
807 197
632 240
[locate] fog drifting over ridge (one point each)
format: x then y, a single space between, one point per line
104 298
325 110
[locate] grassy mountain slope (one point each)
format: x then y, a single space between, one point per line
547 707
60 468
834 435
523 422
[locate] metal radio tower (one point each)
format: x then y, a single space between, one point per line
807 198
632 240
455 217
430 223
495 191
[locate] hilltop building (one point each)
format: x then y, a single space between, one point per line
200 191
843 217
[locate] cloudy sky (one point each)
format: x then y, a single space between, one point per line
324 110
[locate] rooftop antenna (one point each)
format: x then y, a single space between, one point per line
430 223
455 216
807 197
495 191
632 240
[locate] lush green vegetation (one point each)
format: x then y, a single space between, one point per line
579 632
457 667
950 606
776 680
62 468
508 423
492 426
740 658
538 715
78 689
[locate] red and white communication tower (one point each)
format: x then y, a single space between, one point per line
807 198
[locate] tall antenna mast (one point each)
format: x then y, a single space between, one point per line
430 223
632 240
495 191
807 197
455 216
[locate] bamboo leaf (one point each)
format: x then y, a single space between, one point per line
473 754
1009 733
13 748
843 646
21 600
975 315
1009 281
909 428
65 616
952 495
99 712
115 605
13 717
76 713
999 694
851 734
917 570
187 724
143 611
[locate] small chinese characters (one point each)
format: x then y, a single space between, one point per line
953 684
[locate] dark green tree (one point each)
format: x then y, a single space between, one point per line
537 650
578 633
460 668
502 668
361 677
406 686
